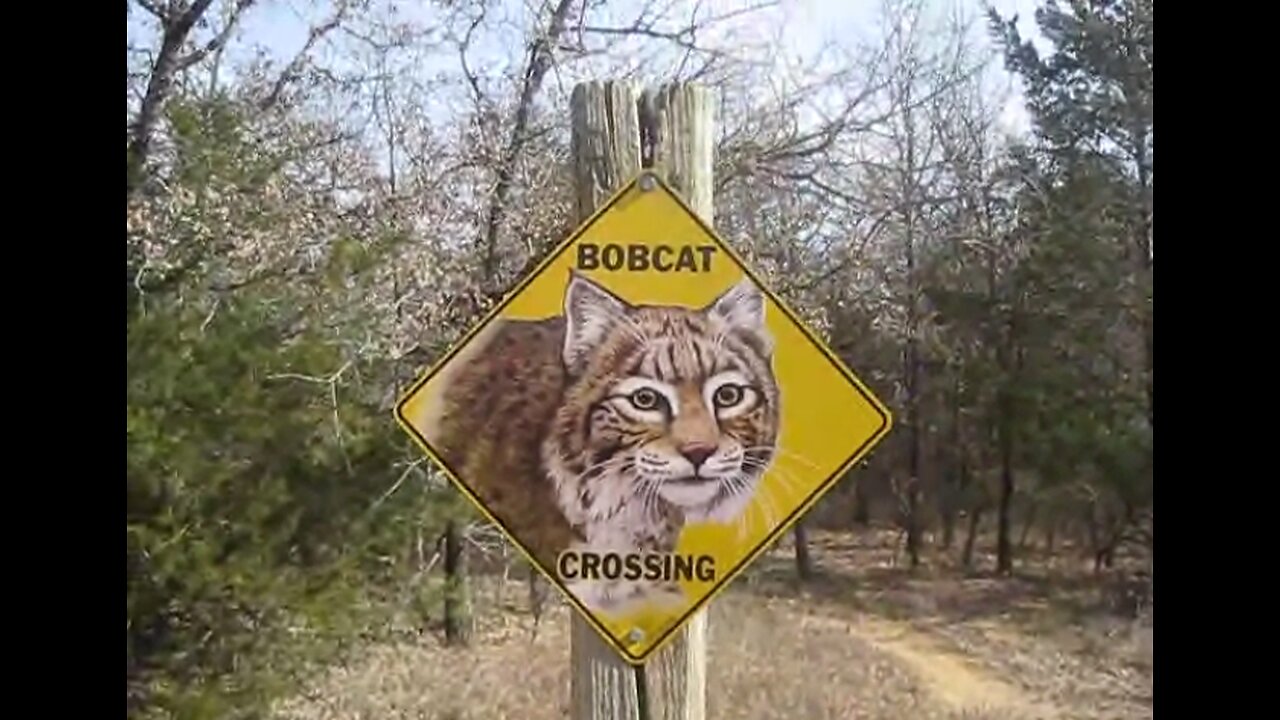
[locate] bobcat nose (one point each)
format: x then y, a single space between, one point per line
697 453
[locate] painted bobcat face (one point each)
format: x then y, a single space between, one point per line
664 402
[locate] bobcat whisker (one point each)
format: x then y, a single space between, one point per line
781 451
742 486
741 525
649 497
745 485
731 487
772 468
784 481
766 501
771 496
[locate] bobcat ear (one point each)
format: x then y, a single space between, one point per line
741 307
589 312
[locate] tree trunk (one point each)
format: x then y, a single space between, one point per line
1028 524
962 491
457 613
1150 384
804 563
537 598
956 480
1004 552
913 423
1094 535
913 370
537 592
913 522
175 27
975 520
1106 557
1151 570
948 505
176 24
861 504
1144 240
1011 364
1049 535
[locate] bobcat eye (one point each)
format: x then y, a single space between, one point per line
726 396
645 399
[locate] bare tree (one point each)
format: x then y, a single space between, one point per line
177 19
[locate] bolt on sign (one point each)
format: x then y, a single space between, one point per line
642 417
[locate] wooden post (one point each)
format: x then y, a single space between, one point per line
617 130
457 610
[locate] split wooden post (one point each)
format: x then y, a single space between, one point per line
617 131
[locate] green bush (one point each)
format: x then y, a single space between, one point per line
255 539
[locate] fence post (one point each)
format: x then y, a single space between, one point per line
617 131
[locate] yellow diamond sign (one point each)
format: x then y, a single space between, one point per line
642 417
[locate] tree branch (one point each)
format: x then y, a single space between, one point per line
462 55
167 65
219 40
291 71
160 13
540 50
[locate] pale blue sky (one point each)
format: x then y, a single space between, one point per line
815 20
280 28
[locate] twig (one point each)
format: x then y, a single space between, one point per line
290 72
435 558
217 302
462 56
488 553
219 40
396 485
424 569
337 427
154 9
337 375
332 382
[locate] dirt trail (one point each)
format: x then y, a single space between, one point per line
885 652
950 678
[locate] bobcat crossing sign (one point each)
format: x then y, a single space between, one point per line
642 417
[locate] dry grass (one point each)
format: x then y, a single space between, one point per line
862 641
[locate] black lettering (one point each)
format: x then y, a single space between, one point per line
612 257
633 567
705 568
684 567
562 566
637 258
658 263
653 567
707 251
590 566
612 570
686 259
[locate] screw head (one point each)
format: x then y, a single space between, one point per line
648 182
635 636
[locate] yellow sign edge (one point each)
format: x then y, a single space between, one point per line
786 524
